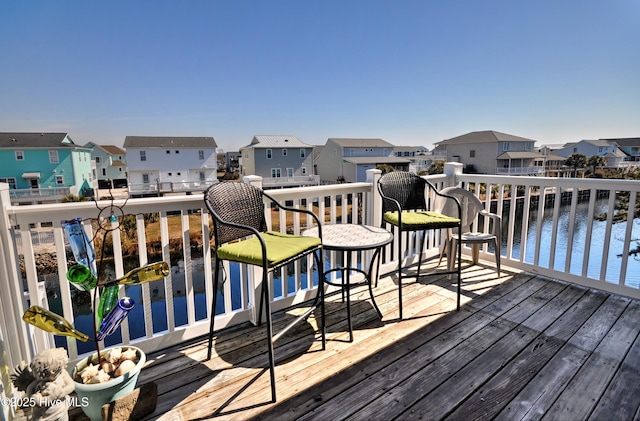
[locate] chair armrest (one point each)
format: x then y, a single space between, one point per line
497 221
446 196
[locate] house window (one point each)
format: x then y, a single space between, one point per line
201 176
168 152
246 154
11 181
284 152
98 159
178 173
352 152
19 156
303 170
275 172
53 157
201 155
303 153
143 155
472 153
60 180
289 172
177 151
145 178
104 172
505 146
528 146
269 153
169 174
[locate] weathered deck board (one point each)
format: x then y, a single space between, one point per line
521 347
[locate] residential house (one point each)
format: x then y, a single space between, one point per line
281 161
630 146
492 152
159 165
347 160
44 167
110 165
419 157
232 161
609 150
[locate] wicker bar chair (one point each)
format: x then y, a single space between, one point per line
241 235
405 207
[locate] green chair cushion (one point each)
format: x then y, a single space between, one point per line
412 221
280 247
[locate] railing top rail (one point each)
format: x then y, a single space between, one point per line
585 183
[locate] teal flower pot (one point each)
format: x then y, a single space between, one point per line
91 397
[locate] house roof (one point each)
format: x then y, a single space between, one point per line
598 142
487 136
112 149
520 155
168 142
626 141
277 141
118 164
376 160
361 143
35 140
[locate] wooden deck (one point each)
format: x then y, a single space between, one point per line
521 347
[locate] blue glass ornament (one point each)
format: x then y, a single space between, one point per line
115 317
81 247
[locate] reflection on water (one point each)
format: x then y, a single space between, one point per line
596 247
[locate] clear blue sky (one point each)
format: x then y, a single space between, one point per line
410 72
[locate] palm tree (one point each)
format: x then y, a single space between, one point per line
596 161
575 161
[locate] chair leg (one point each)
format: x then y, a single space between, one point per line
272 360
424 236
459 271
497 254
319 258
212 315
400 256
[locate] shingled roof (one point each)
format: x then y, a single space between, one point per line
168 142
35 140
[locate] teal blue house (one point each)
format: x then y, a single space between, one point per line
34 164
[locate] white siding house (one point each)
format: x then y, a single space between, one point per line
159 165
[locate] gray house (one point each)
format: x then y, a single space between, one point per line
347 160
491 152
604 148
281 161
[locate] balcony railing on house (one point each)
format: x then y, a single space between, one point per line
45 195
165 187
295 181
177 229
521 171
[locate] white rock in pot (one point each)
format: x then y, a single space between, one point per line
88 372
125 367
101 377
109 367
129 354
113 355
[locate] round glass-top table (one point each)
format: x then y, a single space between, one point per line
347 238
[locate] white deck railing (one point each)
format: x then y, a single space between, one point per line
183 223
